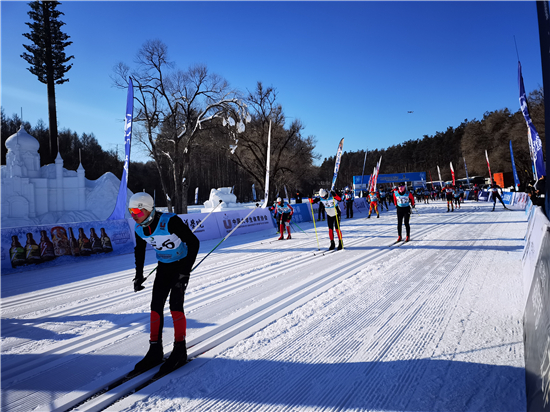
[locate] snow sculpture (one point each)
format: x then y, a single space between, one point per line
33 195
229 200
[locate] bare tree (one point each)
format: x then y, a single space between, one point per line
173 107
291 154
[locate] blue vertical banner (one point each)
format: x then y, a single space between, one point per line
535 144
120 207
516 178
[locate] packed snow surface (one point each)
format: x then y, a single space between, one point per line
431 325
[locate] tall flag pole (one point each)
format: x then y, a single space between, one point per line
337 163
516 178
535 144
453 173
439 173
267 166
363 173
120 207
466 169
489 167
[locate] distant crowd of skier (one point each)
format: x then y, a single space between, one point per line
399 196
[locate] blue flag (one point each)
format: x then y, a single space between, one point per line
120 207
516 178
535 144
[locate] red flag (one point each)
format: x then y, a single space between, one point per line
453 173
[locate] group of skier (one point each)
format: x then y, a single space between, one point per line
177 247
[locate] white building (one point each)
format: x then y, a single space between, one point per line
33 195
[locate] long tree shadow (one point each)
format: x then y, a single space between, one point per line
224 384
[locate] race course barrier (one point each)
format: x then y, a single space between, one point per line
536 318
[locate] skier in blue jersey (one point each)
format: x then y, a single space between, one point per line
456 197
330 201
403 200
176 248
373 201
283 214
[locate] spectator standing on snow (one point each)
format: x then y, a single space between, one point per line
348 198
176 248
540 191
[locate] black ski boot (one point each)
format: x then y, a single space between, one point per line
153 358
332 245
340 246
177 358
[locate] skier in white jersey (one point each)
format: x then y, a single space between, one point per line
330 201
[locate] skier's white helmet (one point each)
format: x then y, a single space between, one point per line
347 189
141 200
279 200
323 193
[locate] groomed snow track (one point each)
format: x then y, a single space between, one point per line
64 345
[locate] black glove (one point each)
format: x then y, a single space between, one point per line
138 280
183 279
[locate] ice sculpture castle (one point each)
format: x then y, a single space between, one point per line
50 194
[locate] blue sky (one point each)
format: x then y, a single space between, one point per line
345 69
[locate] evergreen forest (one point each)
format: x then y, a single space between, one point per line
217 167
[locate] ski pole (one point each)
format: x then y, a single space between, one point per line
294 224
196 227
338 225
226 236
314 225
208 215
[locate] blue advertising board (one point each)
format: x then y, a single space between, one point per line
302 212
387 179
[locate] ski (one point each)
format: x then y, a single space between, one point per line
395 243
159 375
326 252
128 377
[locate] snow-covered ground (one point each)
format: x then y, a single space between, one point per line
432 325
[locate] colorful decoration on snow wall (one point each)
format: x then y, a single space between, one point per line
53 245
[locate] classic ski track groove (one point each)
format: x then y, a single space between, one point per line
193 303
251 279
349 346
299 290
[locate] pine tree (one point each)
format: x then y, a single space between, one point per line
47 56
